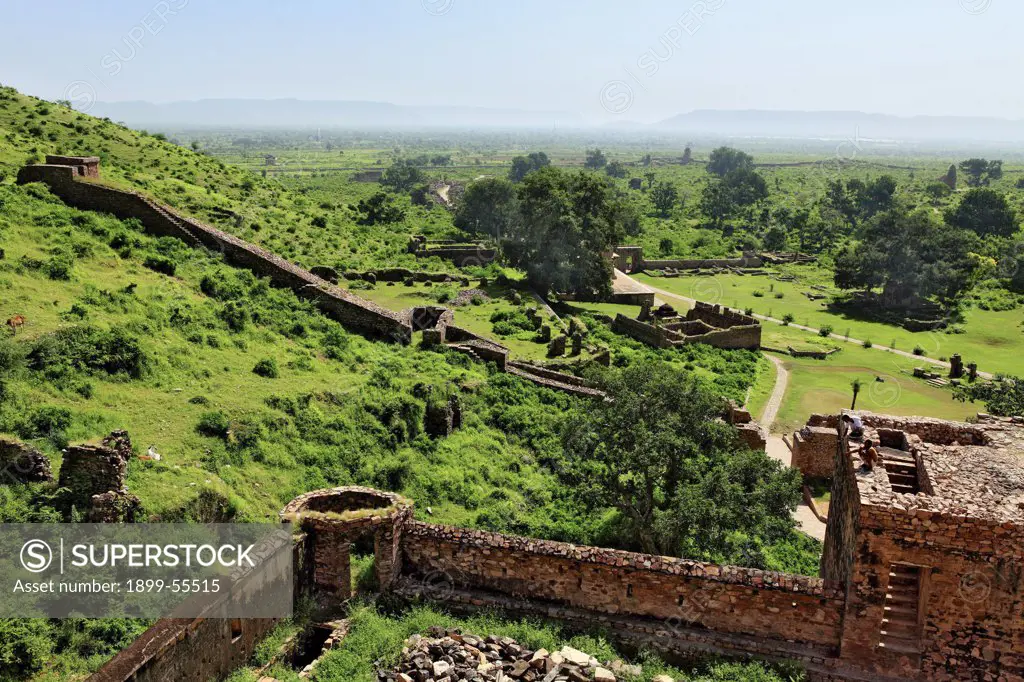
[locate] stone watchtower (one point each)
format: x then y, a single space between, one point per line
930 545
334 519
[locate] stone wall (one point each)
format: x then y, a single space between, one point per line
751 261
334 302
211 647
720 317
726 600
89 470
22 463
814 451
666 336
461 256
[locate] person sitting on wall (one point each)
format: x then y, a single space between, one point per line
868 455
856 426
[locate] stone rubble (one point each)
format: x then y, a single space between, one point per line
448 656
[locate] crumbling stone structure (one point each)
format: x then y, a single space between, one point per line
95 477
631 259
460 253
22 463
442 417
705 323
75 189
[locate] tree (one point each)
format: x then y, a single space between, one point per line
985 212
650 175
678 476
910 257
664 197
937 190
981 172
739 188
595 159
855 385
775 238
488 206
402 176
860 200
522 165
725 160
378 210
1003 397
666 247
566 224
615 169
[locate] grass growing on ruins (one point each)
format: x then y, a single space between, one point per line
377 639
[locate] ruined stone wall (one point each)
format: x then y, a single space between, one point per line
22 463
208 648
726 600
814 451
336 303
88 470
736 337
462 256
720 317
703 264
972 595
928 429
659 337
843 518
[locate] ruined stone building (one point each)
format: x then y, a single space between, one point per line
920 577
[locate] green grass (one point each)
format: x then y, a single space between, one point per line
992 339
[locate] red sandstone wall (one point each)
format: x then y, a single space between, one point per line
725 599
974 606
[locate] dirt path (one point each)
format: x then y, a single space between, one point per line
771 408
837 337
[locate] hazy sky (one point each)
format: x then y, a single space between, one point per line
606 59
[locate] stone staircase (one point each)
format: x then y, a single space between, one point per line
901 627
938 383
901 468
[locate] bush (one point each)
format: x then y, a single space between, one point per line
88 348
266 368
757 293
787 318
59 267
161 264
779 294
214 424
825 331
867 343
47 420
918 350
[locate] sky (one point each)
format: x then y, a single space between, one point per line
607 60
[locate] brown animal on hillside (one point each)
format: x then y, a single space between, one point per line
15 322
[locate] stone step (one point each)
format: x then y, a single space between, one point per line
899 611
901 646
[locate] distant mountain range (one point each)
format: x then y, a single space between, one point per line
848 126
843 125
292 113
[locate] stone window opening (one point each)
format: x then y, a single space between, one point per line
236 630
629 589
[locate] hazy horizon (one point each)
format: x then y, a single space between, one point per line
600 61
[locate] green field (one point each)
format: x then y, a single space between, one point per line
989 338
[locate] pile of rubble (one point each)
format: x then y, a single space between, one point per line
448 656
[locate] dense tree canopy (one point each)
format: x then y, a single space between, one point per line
522 165
664 196
402 176
595 159
1003 397
739 188
910 257
981 172
488 206
680 479
725 160
984 211
378 210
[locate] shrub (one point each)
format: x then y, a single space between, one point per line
59 267
748 311
757 293
336 342
236 316
266 368
47 420
161 264
918 350
214 424
787 318
825 331
87 348
867 343
779 294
